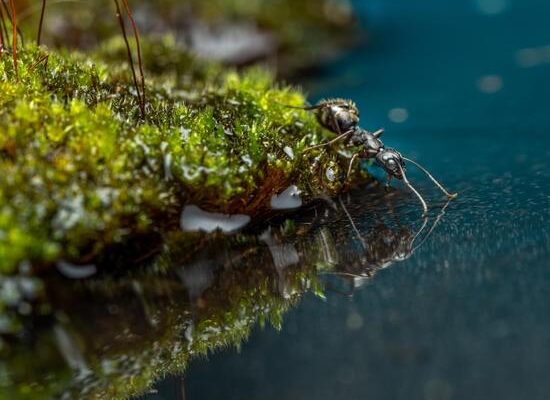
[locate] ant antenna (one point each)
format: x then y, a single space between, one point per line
411 187
449 195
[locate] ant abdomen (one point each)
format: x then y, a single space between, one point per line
337 115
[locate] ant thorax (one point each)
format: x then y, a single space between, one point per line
372 145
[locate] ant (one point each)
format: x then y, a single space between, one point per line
342 117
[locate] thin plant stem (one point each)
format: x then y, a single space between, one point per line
4 27
14 36
129 51
9 16
138 46
42 59
39 37
2 45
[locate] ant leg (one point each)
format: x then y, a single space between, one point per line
335 124
434 225
378 133
339 137
353 158
449 195
388 181
352 223
411 187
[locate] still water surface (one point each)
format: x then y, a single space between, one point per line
464 87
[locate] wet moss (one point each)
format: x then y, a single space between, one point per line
82 169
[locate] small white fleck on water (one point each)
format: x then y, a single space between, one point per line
398 115
492 7
354 321
490 84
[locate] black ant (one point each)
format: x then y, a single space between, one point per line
342 117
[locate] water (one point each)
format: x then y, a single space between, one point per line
468 315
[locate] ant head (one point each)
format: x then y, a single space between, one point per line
392 162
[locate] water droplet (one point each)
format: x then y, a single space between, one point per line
184 134
527 58
490 84
289 152
288 199
330 174
492 7
398 115
73 271
193 219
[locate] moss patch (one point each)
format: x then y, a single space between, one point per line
81 170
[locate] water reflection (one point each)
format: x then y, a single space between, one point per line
383 244
114 338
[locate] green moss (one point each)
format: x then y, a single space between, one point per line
81 170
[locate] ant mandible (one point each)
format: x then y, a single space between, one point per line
342 117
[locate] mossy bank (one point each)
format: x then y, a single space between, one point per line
82 170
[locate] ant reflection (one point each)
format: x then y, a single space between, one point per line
380 246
